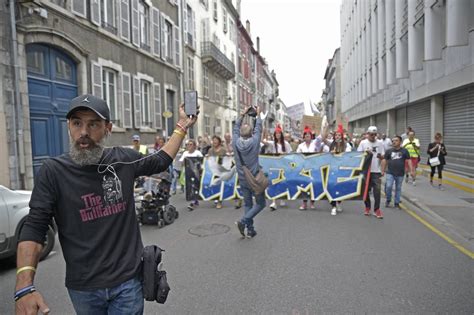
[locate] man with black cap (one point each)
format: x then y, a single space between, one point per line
89 193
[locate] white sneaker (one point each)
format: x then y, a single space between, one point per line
414 182
333 211
282 203
339 207
273 206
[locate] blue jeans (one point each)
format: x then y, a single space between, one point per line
175 178
398 180
251 210
125 298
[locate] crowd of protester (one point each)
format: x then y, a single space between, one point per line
397 157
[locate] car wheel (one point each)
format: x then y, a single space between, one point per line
48 244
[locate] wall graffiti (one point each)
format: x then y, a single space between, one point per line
293 176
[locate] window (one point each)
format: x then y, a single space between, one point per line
207 125
108 14
224 20
63 69
232 30
35 62
190 73
226 95
189 33
216 40
214 6
218 91
145 103
109 93
144 25
218 126
169 41
205 83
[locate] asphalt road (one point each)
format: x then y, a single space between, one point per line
301 262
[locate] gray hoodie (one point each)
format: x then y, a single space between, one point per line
249 148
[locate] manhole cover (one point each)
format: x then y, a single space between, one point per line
204 230
470 200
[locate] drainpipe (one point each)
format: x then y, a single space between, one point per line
18 148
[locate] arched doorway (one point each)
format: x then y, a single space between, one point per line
52 83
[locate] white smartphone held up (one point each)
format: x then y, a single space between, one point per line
190 103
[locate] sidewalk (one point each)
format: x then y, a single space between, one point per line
451 210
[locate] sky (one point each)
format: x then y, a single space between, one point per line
297 38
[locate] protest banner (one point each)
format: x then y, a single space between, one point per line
294 176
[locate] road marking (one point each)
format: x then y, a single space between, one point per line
438 232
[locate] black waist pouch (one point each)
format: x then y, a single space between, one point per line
155 284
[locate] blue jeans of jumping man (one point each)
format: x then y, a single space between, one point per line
125 298
398 181
251 209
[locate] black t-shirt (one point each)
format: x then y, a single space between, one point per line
442 152
396 161
95 215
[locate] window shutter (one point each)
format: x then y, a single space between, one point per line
96 76
125 20
126 100
137 102
95 12
135 29
156 31
185 23
177 41
163 39
194 30
157 104
79 7
119 99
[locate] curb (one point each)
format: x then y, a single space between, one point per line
440 223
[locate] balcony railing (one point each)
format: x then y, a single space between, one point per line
217 60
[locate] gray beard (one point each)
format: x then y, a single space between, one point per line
87 156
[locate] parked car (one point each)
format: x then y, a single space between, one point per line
13 211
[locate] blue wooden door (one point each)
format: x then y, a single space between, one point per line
52 83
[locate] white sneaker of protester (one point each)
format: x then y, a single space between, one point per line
333 211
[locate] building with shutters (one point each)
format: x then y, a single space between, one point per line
245 67
331 97
411 63
127 52
210 62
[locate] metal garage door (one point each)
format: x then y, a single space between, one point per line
419 118
364 123
381 122
459 130
400 124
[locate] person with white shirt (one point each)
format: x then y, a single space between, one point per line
278 146
387 143
309 146
375 147
191 152
336 147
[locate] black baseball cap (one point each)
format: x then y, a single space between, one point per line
88 101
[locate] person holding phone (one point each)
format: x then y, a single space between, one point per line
375 147
437 149
412 144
